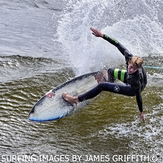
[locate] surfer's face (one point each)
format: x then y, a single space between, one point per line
131 68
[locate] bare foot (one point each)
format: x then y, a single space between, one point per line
100 77
105 74
71 99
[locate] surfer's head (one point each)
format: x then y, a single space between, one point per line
134 64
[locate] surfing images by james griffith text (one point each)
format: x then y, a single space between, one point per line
79 158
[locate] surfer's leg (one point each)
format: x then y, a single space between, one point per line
103 86
111 77
106 86
118 88
117 74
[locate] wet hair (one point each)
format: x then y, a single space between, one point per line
136 61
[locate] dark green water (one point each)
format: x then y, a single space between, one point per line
108 128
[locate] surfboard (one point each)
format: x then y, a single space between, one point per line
53 107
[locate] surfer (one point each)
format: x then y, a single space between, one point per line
134 77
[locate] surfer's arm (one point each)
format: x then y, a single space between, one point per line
136 86
114 42
120 47
139 101
140 105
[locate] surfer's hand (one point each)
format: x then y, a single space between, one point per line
142 116
96 32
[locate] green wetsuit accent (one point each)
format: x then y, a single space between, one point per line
123 75
116 73
120 74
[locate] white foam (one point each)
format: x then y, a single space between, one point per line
138 29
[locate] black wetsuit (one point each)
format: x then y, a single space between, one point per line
134 83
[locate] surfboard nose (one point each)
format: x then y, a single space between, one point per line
40 102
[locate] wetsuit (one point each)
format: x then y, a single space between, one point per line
134 83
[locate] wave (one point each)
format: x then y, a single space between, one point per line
137 25
15 68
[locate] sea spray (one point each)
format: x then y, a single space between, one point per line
139 29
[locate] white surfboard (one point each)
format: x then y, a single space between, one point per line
53 107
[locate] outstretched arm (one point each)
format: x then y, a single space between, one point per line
114 42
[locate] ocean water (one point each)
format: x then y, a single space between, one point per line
44 43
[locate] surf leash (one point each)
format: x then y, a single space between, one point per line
154 67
